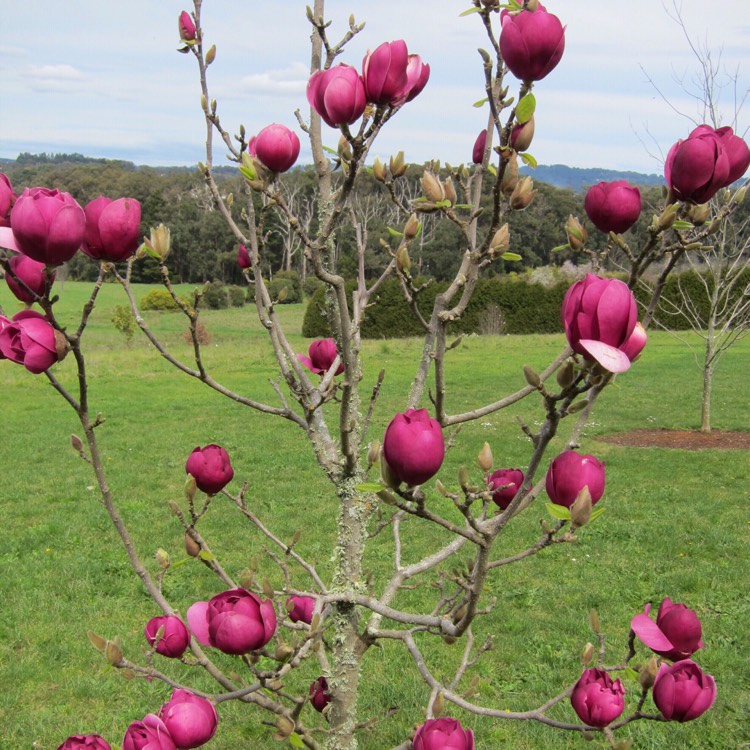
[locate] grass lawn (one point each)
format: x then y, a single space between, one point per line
677 524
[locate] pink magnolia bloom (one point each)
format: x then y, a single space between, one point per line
683 692
186 27
47 225
596 699
113 228
300 608
175 637
569 473
443 734
190 719
235 621
531 42
477 153
7 199
599 316
635 343
613 206
337 95
698 167
31 273
384 72
675 635
319 695
85 742
210 467
243 258
276 147
737 152
149 734
322 353
29 340
413 446
509 480
417 75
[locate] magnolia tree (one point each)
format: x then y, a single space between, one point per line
382 484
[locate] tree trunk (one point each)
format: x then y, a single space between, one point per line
708 382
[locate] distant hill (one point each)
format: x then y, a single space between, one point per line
577 179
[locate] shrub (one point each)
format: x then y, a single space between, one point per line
311 285
159 299
124 321
237 296
204 337
215 297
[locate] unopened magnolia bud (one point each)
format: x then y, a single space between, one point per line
667 217
373 453
160 241
397 164
283 652
190 487
587 655
204 103
739 196
113 651
566 375
522 135
647 675
463 476
596 625
438 706
510 175
388 477
162 558
411 228
580 511
522 194
500 242
575 232
450 191
97 641
699 214
61 346
432 188
379 170
211 55
440 487
484 459
403 261
285 726
532 377
345 149
191 546
460 613
76 442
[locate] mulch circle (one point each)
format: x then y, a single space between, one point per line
687 440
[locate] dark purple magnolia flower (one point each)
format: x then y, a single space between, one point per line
29 340
737 152
149 734
319 695
186 27
85 742
613 206
113 228
413 446
508 481
337 95
675 635
683 692
569 473
31 273
276 147
322 353
443 734
190 719
210 467
596 699
235 621
477 153
300 608
175 637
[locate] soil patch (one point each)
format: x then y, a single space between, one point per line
687 440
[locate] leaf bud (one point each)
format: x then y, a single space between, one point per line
596 625
190 488
438 706
192 547
285 726
211 55
739 196
699 214
282 295
522 194
463 477
403 261
647 675
500 242
113 651
485 458
566 375
440 487
667 216
162 558
76 442
283 652
97 641
373 453
580 510
532 377
624 744
386 474
398 165
510 175
204 103
379 170
522 135
432 188
587 655
387 497
575 232
449 191
411 228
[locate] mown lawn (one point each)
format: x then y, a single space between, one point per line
677 524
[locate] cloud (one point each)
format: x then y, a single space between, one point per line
281 82
54 78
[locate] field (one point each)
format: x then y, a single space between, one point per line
677 524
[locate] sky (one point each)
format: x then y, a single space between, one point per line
105 79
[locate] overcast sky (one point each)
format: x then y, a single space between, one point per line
104 79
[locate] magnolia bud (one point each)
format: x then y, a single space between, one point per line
438 706
699 214
162 558
500 243
211 55
411 228
113 651
739 196
285 726
388 477
379 170
522 135
484 459
668 216
76 442
596 625
587 655
575 232
191 546
647 675
403 261
160 242
283 652
345 149
397 164
510 175
450 191
432 188
532 377
566 375
373 453
522 194
580 511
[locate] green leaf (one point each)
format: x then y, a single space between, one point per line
525 108
295 740
596 513
443 204
394 232
206 556
462 205
369 487
682 224
180 563
631 674
330 150
558 248
152 253
529 160
248 174
511 256
558 511
492 170
480 103
469 12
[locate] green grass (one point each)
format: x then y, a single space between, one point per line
676 524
